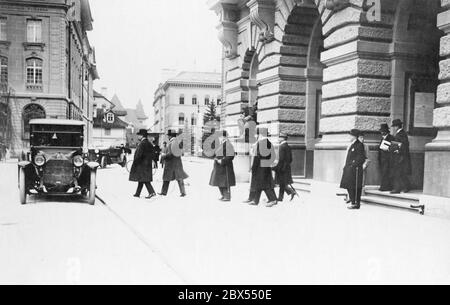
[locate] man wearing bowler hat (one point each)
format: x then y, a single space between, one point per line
142 168
385 158
223 175
173 165
262 179
352 178
283 170
401 159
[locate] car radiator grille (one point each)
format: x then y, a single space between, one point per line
58 172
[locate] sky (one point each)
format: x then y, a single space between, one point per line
135 40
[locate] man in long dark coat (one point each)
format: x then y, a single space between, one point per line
262 179
352 178
385 158
141 170
173 165
223 175
283 171
401 159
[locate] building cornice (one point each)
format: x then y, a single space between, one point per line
35 4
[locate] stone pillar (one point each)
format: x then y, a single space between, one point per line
437 154
357 85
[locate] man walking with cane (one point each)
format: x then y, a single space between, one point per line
352 178
223 175
283 171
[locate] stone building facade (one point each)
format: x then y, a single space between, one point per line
182 100
318 68
49 63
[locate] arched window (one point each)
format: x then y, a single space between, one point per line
34 71
181 119
193 120
3 70
207 100
182 99
194 100
30 112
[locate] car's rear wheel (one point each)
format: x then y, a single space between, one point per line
92 188
22 187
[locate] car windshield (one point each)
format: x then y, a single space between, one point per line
57 136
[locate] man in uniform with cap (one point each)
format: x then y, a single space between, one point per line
262 179
173 165
223 175
385 158
352 178
283 170
401 159
142 168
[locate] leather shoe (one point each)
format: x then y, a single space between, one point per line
253 203
183 195
161 194
150 196
271 204
247 201
354 207
137 196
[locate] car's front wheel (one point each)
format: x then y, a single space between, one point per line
92 188
22 187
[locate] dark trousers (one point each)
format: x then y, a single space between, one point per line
270 193
166 184
149 187
401 182
386 179
225 192
285 189
355 196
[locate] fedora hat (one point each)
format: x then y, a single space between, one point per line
385 128
397 123
355 132
142 132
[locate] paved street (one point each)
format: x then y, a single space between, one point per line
198 240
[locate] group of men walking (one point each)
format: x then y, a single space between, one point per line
223 175
394 161
144 161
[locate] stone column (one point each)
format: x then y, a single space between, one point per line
437 155
357 85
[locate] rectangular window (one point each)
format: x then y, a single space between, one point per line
34 72
182 100
3 36
34 31
107 132
3 70
194 100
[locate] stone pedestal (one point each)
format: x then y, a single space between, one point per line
437 155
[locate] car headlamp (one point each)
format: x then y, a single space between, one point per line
78 161
97 151
39 160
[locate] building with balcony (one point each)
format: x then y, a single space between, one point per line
315 69
46 58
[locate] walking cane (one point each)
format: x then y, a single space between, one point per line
356 189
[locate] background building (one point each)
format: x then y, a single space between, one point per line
317 68
109 127
181 101
47 59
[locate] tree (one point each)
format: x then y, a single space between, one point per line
211 113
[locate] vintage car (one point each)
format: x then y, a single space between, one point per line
110 155
56 162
